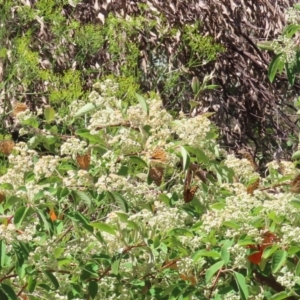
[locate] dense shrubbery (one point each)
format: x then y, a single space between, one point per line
111 197
139 205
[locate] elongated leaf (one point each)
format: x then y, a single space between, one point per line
93 289
210 272
278 260
241 283
31 284
10 293
85 109
291 73
205 253
297 269
295 203
143 103
231 224
225 254
21 213
103 227
269 251
78 217
137 160
116 264
185 158
279 296
52 278
2 253
120 200
296 155
275 66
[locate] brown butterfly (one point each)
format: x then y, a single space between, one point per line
295 185
189 193
156 174
19 107
188 190
252 187
84 161
158 155
6 146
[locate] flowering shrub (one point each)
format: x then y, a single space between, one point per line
136 204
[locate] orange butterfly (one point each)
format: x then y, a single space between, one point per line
7 146
252 187
84 161
158 155
188 190
268 239
19 107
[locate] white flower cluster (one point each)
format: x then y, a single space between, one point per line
193 131
285 46
242 167
73 146
45 166
288 279
292 15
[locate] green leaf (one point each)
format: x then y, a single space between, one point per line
92 138
205 253
290 30
296 155
2 253
295 203
231 224
241 283
103 227
291 73
278 260
265 45
83 197
122 216
279 296
49 114
21 213
269 251
297 269
43 219
143 103
93 288
78 217
52 278
31 284
10 293
225 254
275 65
210 272
120 200
138 161
116 260
293 250
195 85
180 232
185 158
85 109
